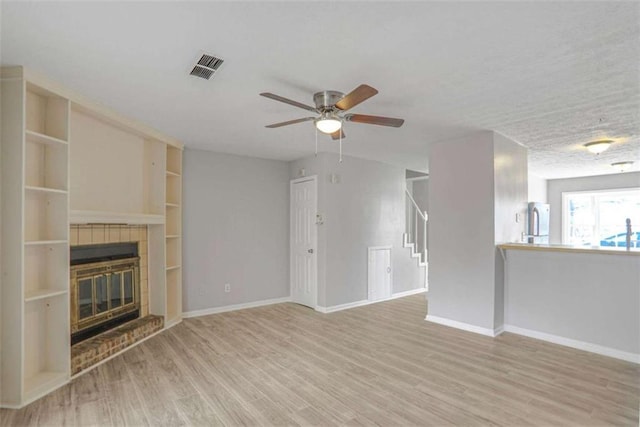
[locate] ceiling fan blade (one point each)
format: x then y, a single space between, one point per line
288 101
336 135
290 122
374 120
355 97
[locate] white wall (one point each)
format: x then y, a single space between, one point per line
477 184
366 207
602 182
537 189
236 229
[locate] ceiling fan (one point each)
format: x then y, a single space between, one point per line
330 106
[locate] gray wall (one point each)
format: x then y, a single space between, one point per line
510 199
477 184
420 192
236 229
555 188
543 288
365 208
510 189
537 189
413 174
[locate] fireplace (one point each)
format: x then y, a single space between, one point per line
105 288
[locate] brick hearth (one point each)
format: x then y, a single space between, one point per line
88 353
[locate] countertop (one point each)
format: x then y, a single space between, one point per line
609 250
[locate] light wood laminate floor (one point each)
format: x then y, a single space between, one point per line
380 364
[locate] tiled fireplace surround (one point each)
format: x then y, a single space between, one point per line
87 353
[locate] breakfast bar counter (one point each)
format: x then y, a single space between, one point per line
583 297
610 250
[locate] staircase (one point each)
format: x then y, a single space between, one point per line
415 236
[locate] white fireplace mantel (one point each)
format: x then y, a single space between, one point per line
100 217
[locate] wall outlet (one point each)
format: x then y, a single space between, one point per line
517 217
227 287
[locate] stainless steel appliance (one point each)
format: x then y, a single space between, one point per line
538 223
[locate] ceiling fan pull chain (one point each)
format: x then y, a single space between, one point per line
316 142
340 146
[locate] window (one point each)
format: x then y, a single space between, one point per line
597 218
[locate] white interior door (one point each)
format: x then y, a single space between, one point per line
303 274
379 273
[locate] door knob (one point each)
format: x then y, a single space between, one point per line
310 251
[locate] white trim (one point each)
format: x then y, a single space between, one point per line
314 179
90 368
10 405
234 307
304 178
580 345
564 212
464 326
379 248
89 217
363 302
346 306
418 178
370 251
408 293
38 395
172 323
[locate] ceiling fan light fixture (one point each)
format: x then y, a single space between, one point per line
622 166
597 147
328 124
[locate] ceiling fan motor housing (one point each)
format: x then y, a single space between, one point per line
332 105
326 100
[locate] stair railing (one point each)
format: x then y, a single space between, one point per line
416 227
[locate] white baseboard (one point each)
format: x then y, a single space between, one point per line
580 345
407 293
172 323
464 326
341 307
92 367
224 309
363 302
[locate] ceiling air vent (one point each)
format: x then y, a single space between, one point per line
206 66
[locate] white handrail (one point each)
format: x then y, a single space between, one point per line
415 204
419 242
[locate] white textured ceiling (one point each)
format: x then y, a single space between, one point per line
549 75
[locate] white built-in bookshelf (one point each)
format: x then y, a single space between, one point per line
173 233
59 154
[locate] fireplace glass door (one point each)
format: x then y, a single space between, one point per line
102 291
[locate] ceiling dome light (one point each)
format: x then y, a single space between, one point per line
622 166
597 147
328 123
